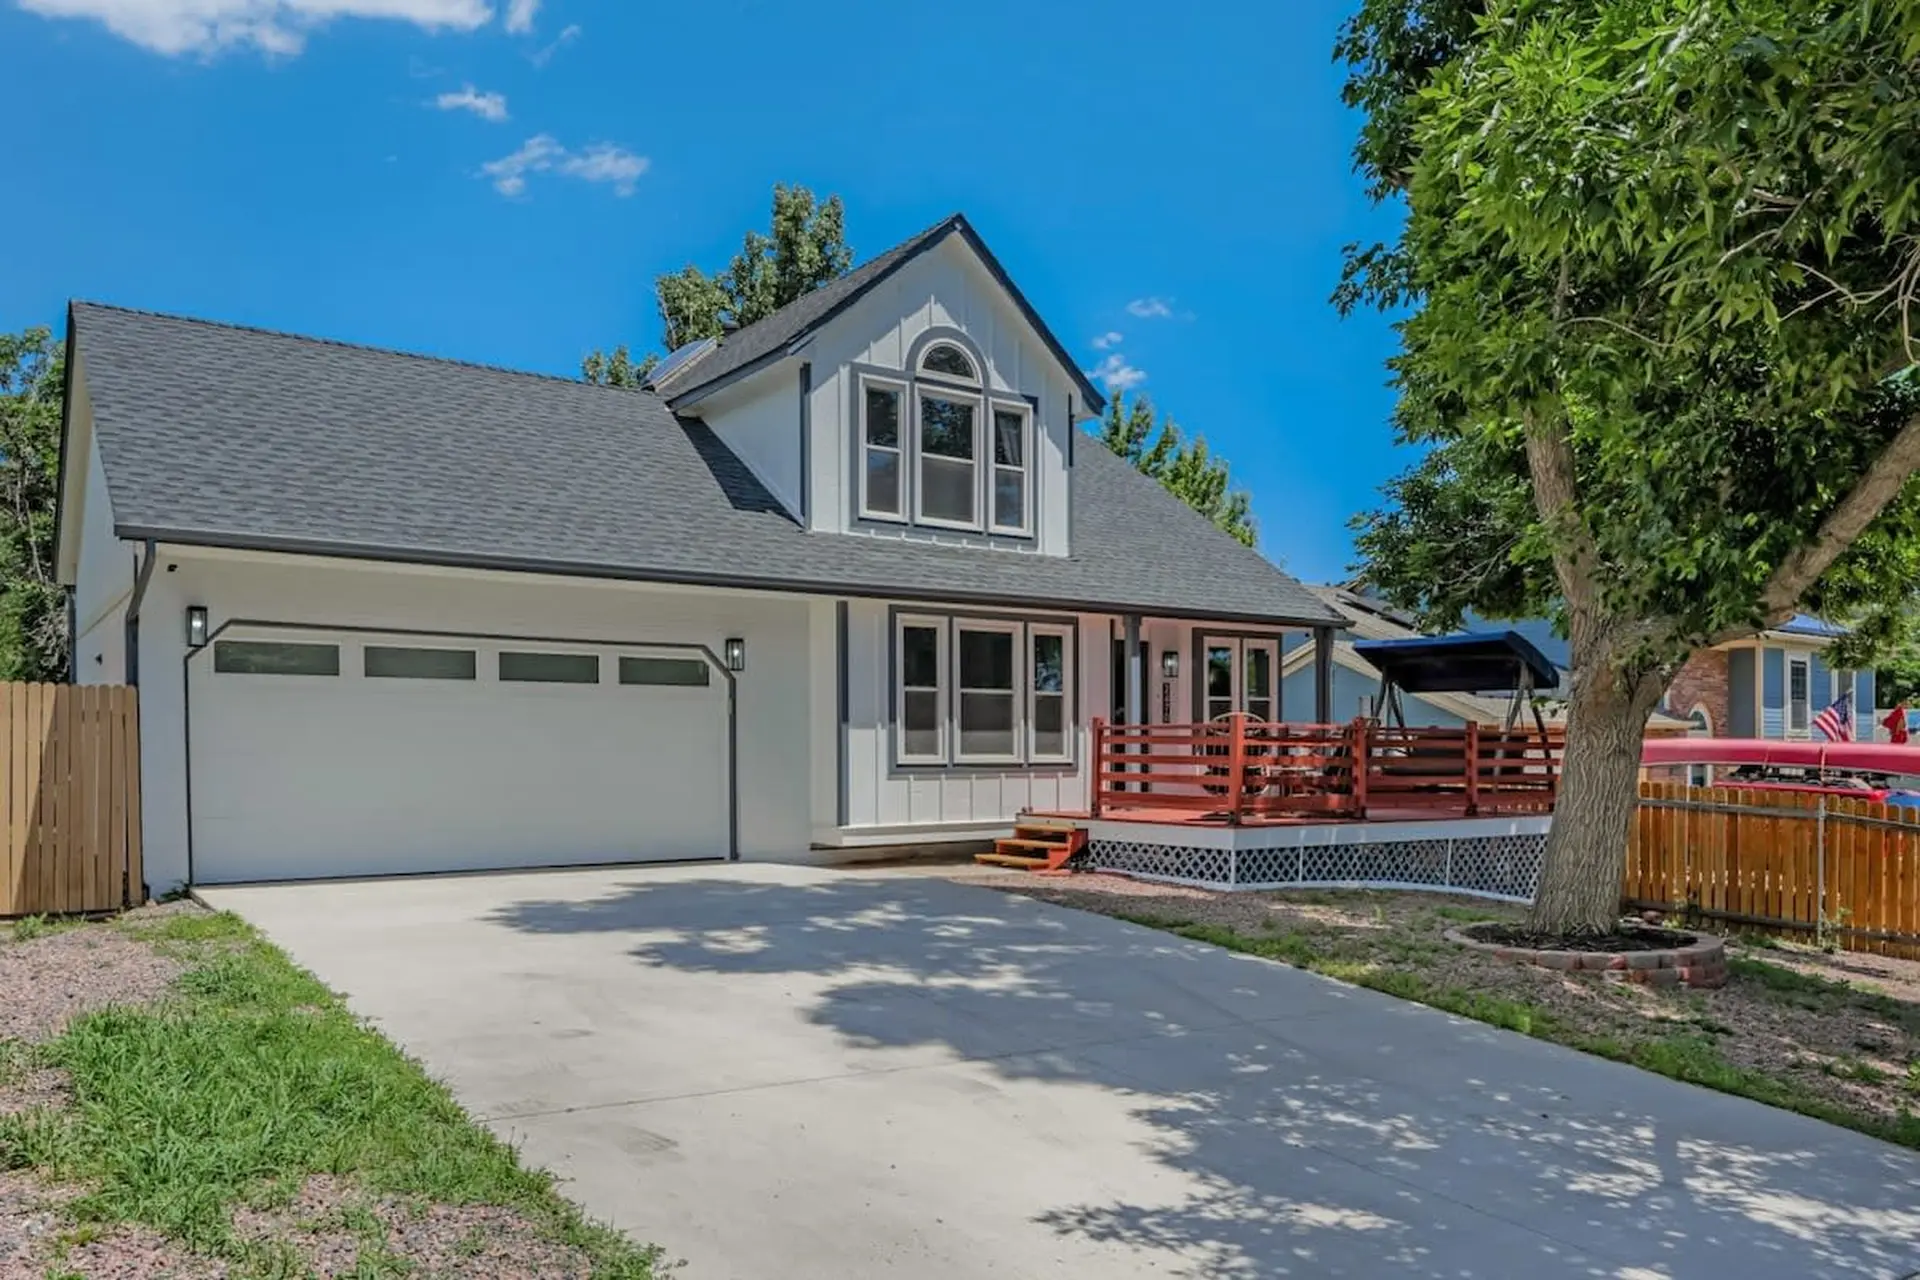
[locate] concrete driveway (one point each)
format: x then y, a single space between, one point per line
789 1074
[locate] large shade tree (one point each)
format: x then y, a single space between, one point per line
804 247
33 605
1654 284
1186 467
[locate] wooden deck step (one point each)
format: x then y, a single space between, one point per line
1020 842
1018 861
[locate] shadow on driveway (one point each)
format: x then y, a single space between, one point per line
1314 1129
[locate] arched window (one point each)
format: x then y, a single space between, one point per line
948 361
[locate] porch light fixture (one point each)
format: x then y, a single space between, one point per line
1170 663
736 654
196 626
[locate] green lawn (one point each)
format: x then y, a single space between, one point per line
251 1079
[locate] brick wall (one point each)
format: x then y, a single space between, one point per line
1701 683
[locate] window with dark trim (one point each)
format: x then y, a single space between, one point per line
988 691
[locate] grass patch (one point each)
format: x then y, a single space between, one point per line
251 1079
1463 915
27 928
1692 1057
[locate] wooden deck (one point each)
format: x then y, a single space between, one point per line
1242 772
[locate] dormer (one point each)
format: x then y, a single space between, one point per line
919 398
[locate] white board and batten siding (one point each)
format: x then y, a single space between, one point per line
882 796
945 289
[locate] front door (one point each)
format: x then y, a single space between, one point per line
1239 673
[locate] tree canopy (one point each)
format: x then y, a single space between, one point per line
1654 284
1188 470
33 605
804 248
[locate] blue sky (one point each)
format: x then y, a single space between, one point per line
500 181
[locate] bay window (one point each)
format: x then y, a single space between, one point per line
982 691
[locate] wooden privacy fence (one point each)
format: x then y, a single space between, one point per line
69 798
1775 861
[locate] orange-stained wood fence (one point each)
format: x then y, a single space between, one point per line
1827 867
1237 768
69 798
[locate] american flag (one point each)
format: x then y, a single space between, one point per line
1835 724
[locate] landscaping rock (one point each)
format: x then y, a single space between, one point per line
48 981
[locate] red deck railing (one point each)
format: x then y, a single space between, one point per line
1239 768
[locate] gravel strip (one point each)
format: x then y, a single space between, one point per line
44 1087
135 1253
48 981
29 1219
481 1242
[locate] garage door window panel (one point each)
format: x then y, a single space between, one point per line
687 672
549 668
390 662
275 658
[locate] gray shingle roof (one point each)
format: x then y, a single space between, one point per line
765 340
217 435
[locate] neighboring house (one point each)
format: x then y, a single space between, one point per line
1769 686
848 577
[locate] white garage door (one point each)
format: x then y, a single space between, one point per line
319 755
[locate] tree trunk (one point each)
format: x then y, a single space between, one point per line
1586 855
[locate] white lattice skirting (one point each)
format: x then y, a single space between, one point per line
1499 866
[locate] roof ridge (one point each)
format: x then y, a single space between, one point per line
947 223
343 344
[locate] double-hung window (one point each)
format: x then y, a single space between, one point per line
881 406
1011 468
982 691
920 706
1799 683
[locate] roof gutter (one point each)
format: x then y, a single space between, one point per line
739 582
141 577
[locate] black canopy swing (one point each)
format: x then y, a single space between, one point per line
1481 662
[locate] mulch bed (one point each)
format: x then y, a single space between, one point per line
48 981
1624 939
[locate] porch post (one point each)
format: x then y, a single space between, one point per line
1323 675
1136 674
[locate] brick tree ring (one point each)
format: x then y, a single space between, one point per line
1699 962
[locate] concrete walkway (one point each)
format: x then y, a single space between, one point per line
789 1074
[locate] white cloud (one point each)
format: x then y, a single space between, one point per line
272 26
1150 308
488 106
542 153
1107 340
1116 374
520 16
568 34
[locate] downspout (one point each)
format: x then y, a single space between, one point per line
140 580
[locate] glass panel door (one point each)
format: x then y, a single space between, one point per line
1240 674
1221 677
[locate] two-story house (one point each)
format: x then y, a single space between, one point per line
849 577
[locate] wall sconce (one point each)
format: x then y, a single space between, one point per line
1170 664
196 626
736 654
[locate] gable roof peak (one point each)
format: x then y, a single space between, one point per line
746 350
